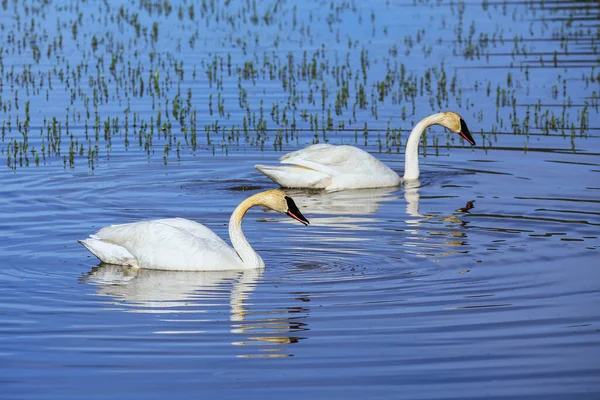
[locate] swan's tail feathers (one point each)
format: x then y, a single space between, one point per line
295 176
108 253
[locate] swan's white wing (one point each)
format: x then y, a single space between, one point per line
296 176
172 244
330 159
348 167
190 226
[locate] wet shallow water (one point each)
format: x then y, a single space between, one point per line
386 289
479 280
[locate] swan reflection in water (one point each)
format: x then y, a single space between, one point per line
453 233
349 207
348 211
181 294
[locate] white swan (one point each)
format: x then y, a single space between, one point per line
182 245
330 167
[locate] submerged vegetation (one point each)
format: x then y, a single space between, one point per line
83 80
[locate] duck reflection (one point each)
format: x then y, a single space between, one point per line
185 293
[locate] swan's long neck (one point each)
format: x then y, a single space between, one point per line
411 156
249 257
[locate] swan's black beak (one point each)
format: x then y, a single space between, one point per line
464 132
294 212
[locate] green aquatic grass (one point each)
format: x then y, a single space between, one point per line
80 81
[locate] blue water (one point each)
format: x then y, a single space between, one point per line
479 280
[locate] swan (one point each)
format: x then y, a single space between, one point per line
179 244
331 167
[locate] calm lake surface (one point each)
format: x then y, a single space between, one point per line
482 279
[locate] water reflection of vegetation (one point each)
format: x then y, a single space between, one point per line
180 294
180 77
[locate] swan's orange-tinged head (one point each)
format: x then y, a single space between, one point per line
279 201
456 124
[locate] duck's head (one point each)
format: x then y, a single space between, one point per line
456 124
279 201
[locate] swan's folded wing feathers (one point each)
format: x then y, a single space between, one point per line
305 152
176 248
121 233
296 176
327 158
193 227
174 244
